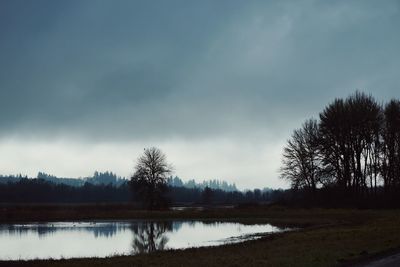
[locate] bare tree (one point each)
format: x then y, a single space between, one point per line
150 236
350 132
354 150
300 164
149 182
207 195
391 137
334 133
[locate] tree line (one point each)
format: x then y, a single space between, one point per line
150 185
25 190
109 177
42 191
213 184
351 153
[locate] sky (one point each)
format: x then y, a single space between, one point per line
218 86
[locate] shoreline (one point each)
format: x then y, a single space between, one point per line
330 237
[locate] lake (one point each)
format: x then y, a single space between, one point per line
107 238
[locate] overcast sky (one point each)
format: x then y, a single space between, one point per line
217 85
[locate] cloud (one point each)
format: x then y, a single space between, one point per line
123 71
188 69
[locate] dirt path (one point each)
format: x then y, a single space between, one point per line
389 261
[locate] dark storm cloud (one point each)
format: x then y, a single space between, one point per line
130 69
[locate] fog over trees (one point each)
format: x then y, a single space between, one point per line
108 187
110 178
213 184
350 155
28 190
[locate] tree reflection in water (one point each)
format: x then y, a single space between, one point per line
150 236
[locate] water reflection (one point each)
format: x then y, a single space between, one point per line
150 236
99 229
104 238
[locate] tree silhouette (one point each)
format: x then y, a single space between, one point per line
391 137
207 195
352 154
301 157
350 139
150 179
150 236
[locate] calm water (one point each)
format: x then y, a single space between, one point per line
101 239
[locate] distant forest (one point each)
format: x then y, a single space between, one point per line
108 187
349 156
106 178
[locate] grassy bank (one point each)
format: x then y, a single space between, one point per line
331 238
127 211
74 212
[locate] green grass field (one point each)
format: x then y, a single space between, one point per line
329 237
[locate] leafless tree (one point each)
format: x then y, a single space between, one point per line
300 164
350 132
149 181
391 137
351 152
150 236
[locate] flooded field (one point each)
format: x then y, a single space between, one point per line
107 238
